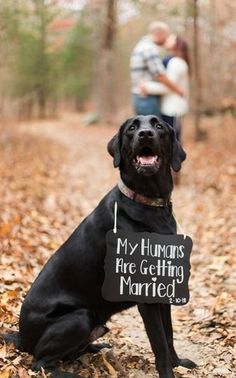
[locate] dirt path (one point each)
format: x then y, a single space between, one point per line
204 327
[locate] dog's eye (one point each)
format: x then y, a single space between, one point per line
132 127
158 126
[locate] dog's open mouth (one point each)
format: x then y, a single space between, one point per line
146 158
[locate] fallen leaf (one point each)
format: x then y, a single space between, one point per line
5 373
23 373
3 351
43 372
109 367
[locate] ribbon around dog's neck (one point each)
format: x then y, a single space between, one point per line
158 202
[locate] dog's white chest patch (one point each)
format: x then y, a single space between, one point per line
147 267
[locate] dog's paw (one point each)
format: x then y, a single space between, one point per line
185 362
95 348
39 365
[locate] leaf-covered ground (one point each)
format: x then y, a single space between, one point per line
52 175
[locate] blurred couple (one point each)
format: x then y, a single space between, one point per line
160 84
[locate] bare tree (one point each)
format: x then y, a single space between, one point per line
197 99
104 67
40 12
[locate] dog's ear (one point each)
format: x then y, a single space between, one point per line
114 149
114 146
178 154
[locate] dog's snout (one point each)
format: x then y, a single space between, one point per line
146 133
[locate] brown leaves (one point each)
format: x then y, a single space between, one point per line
109 367
207 214
12 371
3 351
5 229
5 373
22 372
49 182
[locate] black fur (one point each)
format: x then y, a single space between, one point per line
64 311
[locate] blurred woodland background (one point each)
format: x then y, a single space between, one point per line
74 54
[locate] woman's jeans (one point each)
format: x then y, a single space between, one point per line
146 105
175 122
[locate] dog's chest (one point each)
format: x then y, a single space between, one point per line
146 220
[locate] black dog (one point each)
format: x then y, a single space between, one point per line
64 311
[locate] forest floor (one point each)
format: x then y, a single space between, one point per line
53 173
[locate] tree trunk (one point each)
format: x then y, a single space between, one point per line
104 97
196 74
40 10
42 98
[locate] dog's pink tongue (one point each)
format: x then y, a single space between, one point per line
146 159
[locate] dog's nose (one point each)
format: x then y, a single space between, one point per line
145 133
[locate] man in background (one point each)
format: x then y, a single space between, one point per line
146 64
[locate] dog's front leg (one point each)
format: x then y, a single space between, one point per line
167 323
151 314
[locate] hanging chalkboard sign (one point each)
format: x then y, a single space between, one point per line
147 267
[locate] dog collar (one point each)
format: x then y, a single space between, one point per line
158 202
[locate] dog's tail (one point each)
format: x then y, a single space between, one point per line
12 337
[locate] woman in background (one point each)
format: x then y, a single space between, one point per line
173 106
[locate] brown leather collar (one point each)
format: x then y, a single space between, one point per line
158 202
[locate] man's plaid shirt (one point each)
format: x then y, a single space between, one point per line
145 63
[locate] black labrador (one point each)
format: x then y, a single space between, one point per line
64 311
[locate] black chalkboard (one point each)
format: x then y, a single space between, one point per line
147 268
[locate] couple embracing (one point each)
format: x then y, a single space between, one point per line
160 85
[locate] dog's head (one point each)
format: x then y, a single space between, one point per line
147 145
